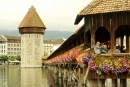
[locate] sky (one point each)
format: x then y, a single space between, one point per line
55 14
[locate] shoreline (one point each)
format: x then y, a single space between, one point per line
1 66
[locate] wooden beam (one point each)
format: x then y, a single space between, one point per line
112 42
123 83
101 82
114 82
127 44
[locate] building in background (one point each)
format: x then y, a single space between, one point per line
3 45
50 45
48 48
57 42
10 45
13 45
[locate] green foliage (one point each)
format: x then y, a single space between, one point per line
4 58
12 58
18 58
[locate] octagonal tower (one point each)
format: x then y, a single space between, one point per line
31 29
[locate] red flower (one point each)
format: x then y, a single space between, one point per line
111 56
126 58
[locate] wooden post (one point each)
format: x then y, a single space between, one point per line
65 83
112 41
101 82
60 72
123 83
93 83
127 44
122 40
92 42
114 82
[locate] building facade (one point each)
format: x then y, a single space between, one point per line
10 45
13 45
48 48
50 45
3 45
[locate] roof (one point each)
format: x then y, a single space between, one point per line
2 38
8 37
57 41
103 6
32 19
54 41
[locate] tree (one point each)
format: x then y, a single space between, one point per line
4 58
12 58
18 58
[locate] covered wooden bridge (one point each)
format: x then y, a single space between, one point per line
107 21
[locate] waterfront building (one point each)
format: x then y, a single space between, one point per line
50 45
10 45
13 45
3 45
57 43
31 29
48 48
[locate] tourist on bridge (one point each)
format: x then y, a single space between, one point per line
100 49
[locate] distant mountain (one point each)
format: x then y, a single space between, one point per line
57 34
48 34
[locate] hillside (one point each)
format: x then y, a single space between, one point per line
48 34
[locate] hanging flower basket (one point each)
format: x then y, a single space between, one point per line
76 53
109 65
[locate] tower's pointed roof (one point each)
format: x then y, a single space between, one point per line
32 19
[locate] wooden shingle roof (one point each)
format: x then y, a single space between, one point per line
32 19
73 36
103 6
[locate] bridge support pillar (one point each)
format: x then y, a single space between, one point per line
114 82
93 83
60 72
101 82
123 83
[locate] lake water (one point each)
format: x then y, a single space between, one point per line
28 77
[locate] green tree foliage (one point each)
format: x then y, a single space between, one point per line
4 58
12 58
18 58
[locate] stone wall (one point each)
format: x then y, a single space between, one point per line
31 50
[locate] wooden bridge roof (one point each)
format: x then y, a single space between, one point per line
103 6
32 19
66 42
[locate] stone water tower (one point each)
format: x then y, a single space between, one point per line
31 29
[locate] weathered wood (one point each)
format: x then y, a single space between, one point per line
92 42
93 83
114 82
123 83
127 44
112 41
101 82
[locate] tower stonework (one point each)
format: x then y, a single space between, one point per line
31 29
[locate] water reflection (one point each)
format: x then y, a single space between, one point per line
10 77
33 77
30 77
54 80
23 77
